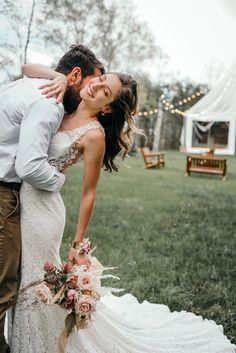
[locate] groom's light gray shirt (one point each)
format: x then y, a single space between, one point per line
28 120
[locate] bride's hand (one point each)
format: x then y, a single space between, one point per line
55 88
79 259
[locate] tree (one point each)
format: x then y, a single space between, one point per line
124 43
163 125
16 36
149 95
72 23
109 28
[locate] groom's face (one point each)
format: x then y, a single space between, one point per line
72 98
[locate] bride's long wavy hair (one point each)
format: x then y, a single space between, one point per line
119 124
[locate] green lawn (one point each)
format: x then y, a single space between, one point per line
172 237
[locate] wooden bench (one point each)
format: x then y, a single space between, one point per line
206 164
152 159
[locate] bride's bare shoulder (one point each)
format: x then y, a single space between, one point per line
94 136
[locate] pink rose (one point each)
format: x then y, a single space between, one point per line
48 266
85 282
86 246
66 267
71 294
85 305
68 305
44 294
72 281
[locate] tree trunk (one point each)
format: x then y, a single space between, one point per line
157 129
29 31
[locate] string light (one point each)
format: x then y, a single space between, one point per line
168 106
146 113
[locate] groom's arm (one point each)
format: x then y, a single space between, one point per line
40 122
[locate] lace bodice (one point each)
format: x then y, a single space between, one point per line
62 146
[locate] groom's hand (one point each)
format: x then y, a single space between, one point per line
79 259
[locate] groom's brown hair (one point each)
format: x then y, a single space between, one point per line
81 56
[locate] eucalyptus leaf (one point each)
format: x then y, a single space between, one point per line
70 322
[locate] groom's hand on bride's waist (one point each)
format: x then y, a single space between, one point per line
79 259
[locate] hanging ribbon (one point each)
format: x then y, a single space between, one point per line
62 341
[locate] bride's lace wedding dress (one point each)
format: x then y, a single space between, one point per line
120 324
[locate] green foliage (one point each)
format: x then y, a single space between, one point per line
70 322
150 99
172 237
149 93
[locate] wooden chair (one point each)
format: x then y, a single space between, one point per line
152 159
207 163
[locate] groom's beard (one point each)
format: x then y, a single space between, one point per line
71 100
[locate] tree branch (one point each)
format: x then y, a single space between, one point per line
29 31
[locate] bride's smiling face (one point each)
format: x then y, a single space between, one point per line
100 91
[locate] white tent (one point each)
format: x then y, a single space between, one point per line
211 122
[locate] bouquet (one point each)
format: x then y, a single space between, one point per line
75 288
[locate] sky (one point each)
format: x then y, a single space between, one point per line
197 35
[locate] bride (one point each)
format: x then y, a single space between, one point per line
100 128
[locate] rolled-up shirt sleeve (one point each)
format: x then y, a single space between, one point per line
40 123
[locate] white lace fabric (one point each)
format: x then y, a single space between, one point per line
62 149
120 324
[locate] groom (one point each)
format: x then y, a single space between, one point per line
27 122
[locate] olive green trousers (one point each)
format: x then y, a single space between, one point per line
10 249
